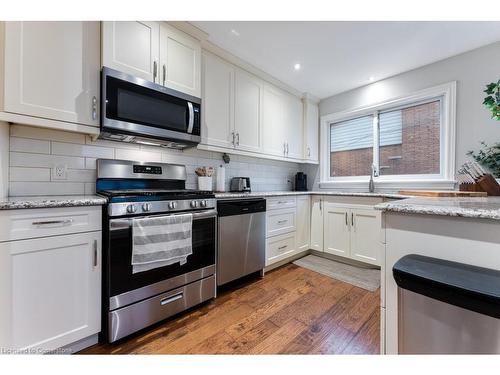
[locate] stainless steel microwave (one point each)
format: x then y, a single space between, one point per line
138 111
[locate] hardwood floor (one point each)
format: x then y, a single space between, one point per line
291 310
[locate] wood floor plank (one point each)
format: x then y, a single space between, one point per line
280 339
367 341
290 310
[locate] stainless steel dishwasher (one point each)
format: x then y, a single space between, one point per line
241 238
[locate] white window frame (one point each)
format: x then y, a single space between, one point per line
444 180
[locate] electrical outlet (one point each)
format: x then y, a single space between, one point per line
60 172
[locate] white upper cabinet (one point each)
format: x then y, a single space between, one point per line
180 61
274 122
52 71
218 102
311 131
132 47
247 112
294 127
153 51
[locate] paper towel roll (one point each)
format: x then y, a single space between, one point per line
221 179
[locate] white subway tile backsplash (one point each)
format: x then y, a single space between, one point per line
34 146
35 151
46 134
69 149
24 159
44 188
29 174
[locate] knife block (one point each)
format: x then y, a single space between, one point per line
487 183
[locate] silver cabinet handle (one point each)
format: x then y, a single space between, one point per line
282 247
309 151
155 70
94 108
287 149
282 221
284 148
237 139
95 258
175 297
346 222
191 118
233 142
320 205
53 222
352 219
281 202
164 73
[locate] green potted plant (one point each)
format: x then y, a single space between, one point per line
492 101
489 157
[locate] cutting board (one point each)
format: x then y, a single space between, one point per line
443 193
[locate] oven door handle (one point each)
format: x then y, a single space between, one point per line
117 224
191 117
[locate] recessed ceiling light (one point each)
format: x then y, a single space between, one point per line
234 32
371 79
296 66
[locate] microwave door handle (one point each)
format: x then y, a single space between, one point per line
191 118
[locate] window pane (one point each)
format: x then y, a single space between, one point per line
409 140
351 147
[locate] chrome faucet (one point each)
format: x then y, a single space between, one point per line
371 184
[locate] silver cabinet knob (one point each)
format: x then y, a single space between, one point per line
146 207
131 208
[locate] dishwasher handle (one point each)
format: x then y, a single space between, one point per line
240 207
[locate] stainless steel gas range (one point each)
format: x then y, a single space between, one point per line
133 301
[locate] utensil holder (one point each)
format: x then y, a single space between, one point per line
204 183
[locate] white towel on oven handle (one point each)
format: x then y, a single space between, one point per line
161 241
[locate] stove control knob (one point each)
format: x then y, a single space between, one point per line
172 205
194 204
146 207
203 203
131 208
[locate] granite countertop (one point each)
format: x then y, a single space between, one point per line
12 203
284 193
480 208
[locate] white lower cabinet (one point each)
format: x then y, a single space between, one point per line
337 236
303 223
280 247
52 286
352 232
316 223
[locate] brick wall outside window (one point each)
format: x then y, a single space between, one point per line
419 152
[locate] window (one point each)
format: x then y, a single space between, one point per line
406 140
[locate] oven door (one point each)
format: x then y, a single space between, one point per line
137 107
125 288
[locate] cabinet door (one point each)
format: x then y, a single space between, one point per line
52 70
273 122
336 230
316 224
53 289
217 102
311 131
303 218
132 47
247 111
294 127
180 61
366 245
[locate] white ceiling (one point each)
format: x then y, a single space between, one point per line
339 56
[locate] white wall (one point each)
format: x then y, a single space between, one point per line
34 151
4 159
472 71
